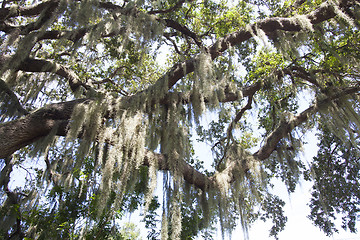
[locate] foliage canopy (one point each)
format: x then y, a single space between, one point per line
103 101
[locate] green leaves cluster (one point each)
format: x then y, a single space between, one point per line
335 171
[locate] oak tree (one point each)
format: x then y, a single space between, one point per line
103 101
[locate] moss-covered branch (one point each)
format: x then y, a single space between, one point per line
26 11
21 132
42 65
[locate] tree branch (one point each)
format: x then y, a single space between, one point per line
21 132
24 131
191 175
243 164
239 115
28 11
11 101
55 117
183 29
41 65
57 114
269 26
301 73
287 126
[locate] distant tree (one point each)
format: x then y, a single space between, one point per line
99 97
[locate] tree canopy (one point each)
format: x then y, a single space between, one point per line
103 101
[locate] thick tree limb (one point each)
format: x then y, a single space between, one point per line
52 115
42 65
24 131
269 26
284 128
55 117
71 35
45 11
191 175
28 11
183 29
287 126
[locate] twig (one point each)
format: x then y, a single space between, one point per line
174 44
231 127
184 30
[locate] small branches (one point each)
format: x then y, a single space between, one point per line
10 101
239 115
13 199
229 136
108 80
173 44
184 30
299 71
